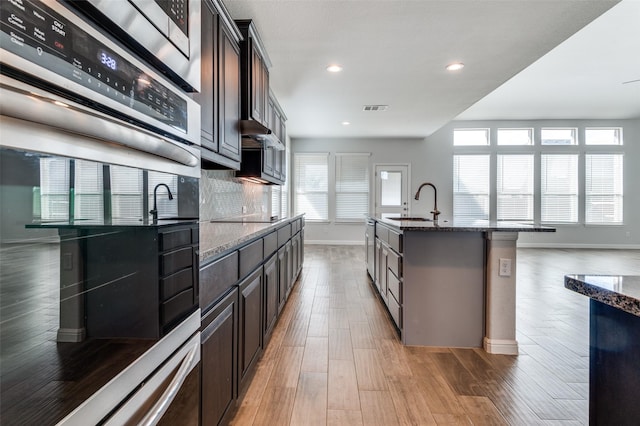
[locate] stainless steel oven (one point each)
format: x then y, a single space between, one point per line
99 318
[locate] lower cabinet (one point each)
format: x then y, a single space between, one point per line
240 314
283 276
250 336
219 340
271 300
388 274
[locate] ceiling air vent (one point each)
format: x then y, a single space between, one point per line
375 107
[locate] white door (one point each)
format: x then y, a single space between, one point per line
392 189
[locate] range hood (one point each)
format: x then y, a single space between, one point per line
256 135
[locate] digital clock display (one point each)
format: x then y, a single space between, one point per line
108 60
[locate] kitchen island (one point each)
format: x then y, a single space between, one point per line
614 346
450 283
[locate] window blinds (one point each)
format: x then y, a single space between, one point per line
603 188
126 192
88 190
471 186
311 185
559 188
514 187
352 186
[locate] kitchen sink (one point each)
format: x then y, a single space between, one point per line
412 219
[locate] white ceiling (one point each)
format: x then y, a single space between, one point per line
394 52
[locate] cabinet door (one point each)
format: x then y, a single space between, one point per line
283 276
250 320
209 76
270 295
268 160
219 359
230 139
265 89
258 103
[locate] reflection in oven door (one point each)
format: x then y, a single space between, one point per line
58 276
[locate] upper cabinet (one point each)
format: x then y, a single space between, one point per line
220 93
255 74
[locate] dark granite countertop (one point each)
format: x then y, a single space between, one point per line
619 291
114 223
218 236
457 225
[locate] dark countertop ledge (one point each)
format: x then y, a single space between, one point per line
114 223
458 225
618 291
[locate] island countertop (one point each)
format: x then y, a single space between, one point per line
457 225
618 291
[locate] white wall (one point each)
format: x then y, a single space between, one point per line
431 159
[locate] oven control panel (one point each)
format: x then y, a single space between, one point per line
35 32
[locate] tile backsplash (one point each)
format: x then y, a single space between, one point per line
223 196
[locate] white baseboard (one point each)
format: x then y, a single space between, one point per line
334 242
579 246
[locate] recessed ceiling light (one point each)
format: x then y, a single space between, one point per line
334 68
346 123
455 66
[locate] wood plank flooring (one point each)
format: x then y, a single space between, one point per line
334 358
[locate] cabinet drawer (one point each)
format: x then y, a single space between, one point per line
251 256
395 310
174 261
295 226
382 233
175 283
395 241
216 278
395 263
284 234
176 306
395 286
173 239
270 244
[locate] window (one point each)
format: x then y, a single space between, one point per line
126 192
557 136
471 186
352 186
515 136
311 175
603 136
88 190
276 201
559 188
54 188
166 207
603 188
514 187
471 137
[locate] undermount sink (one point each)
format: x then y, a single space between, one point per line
412 219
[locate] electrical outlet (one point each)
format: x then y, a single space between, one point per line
505 268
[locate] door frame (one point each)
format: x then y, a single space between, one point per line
374 175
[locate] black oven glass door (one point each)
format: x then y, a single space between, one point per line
78 304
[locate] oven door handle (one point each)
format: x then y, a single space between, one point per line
134 411
157 411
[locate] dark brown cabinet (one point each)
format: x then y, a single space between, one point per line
220 93
270 296
157 269
255 74
283 276
250 333
219 359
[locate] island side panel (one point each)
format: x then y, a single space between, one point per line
444 289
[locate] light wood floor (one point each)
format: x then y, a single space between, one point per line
334 358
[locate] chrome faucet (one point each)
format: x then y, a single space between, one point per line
154 212
435 210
